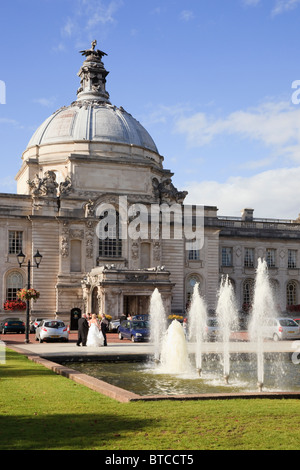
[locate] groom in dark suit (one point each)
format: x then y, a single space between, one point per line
83 329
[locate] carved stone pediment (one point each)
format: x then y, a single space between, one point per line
166 192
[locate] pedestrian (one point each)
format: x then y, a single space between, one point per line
95 336
83 329
104 328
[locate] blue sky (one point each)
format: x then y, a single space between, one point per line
211 80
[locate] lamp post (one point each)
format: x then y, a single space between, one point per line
21 258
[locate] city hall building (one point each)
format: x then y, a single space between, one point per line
79 164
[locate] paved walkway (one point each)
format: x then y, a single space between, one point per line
119 348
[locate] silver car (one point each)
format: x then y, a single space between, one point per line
49 330
113 325
281 329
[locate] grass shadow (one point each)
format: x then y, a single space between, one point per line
68 431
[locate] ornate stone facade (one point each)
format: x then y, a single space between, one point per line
78 166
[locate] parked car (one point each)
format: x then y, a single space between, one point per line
136 330
12 326
113 325
212 329
49 330
34 324
7 319
281 329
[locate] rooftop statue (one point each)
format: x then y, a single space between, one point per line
93 51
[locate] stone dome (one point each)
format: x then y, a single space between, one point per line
92 121
92 117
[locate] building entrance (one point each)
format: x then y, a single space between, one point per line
136 304
75 315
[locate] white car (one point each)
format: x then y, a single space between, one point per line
114 325
34 324
281 329
49 330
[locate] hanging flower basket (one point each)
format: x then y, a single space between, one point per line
14 305
28 294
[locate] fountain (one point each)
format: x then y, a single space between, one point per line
174 354
197 323
158 323
263 307
171 347
174 371
227 315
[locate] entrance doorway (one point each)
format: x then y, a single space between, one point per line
75 315
136 304
95 302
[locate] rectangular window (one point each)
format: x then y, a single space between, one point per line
75 256
226 257
110 243
292 259
271 252
110 248
194 255
15 242
249 258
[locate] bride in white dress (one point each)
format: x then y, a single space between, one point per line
95 337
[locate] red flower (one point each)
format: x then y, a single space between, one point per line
14 305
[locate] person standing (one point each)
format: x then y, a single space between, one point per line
104 328
83 329
95 337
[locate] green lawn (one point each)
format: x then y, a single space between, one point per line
41 410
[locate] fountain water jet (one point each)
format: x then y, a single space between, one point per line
197 321
158 323
263 307
227 315
174 353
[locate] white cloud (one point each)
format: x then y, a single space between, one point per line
9 121
186 15
101 13
272 194
275 125
68 28
86 19
282 6
47 102
251 2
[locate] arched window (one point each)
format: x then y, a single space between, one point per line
291 293
248 292
14 282
110 243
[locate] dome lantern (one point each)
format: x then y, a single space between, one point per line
93 76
